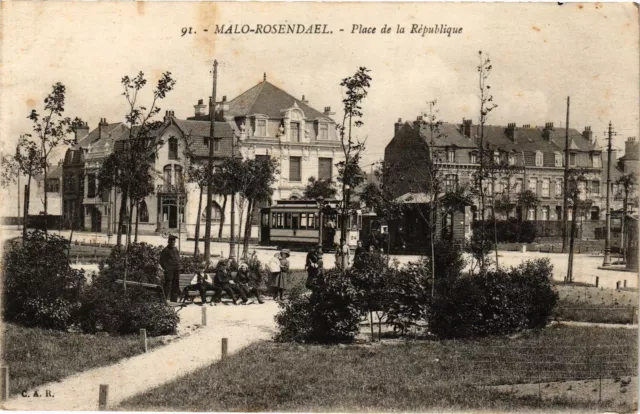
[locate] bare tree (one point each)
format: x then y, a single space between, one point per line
28 158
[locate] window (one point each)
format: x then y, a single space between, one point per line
287 220
582 190
533 185
173 149
451 156
512 159
295 220
324 168
496 157
595 213
261 127
545 213
53 185
595 160
178 172
531 213
595 187
303 220
216 145
168 176
473 157
558 188
294 169
539 159
558 159
572 159
450 183
558 212
143 212
295 131
91 185
545 187
518 186
323 131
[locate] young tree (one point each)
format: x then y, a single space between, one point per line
356 88
628 182
197 173
262 172
578 196
319 188
51 130
482 175
28 158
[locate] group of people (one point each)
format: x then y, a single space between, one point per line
245 282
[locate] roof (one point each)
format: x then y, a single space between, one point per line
102 148
414 198
269 100
94 135
55 172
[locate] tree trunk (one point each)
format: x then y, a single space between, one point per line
196 250
123 214
135 237
247 227
27 190
571 239
45 195
224 215
129 222
240 223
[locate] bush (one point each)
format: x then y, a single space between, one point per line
143 263
189 264
106 307
40 289
512 230
495 302
330 314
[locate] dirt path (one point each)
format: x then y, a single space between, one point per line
242 325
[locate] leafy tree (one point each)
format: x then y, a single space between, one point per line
319 188
578 197
356 89
51 130
28 157
197 173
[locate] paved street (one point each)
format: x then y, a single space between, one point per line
585 266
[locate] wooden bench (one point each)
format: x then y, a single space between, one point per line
156 291
185 280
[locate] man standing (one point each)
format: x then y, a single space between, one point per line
170 262
313 265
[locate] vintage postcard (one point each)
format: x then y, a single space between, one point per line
327 207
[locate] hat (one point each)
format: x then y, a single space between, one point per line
172 237
285 251
243 265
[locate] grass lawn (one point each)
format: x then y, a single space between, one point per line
400 376
592 304
37 356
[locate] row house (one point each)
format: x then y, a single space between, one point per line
536 155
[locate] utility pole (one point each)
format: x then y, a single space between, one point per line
212 113
607 238
565 195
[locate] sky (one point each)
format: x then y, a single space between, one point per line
541 53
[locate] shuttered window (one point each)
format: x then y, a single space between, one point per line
324 168
294 169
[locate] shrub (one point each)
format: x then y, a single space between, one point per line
143 263
330 314
495 302
40 289
511 230
189 264
409 295
106 307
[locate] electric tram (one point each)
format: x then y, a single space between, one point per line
306 223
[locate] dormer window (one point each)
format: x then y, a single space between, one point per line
512 159
173 149
261 127
451 156
558 159
323 131
539 159
595 160
295 131
473 157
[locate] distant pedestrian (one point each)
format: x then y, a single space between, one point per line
281 281
313 266
273 267
342 256
170 262
357 255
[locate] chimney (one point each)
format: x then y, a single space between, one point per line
167 116
222 108
327 111
527 126
417 122
101 125
397 127
304 101
631 149
511 131
588 134
466 127
81 131
201 108
546 132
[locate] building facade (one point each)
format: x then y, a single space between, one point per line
535 156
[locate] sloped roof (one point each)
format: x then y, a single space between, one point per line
94 135
54 172
102 147
267 99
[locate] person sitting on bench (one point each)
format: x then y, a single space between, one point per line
222 282
201 282
246 282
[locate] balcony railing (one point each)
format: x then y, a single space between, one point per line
171 188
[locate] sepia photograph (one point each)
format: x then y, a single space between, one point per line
319 206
